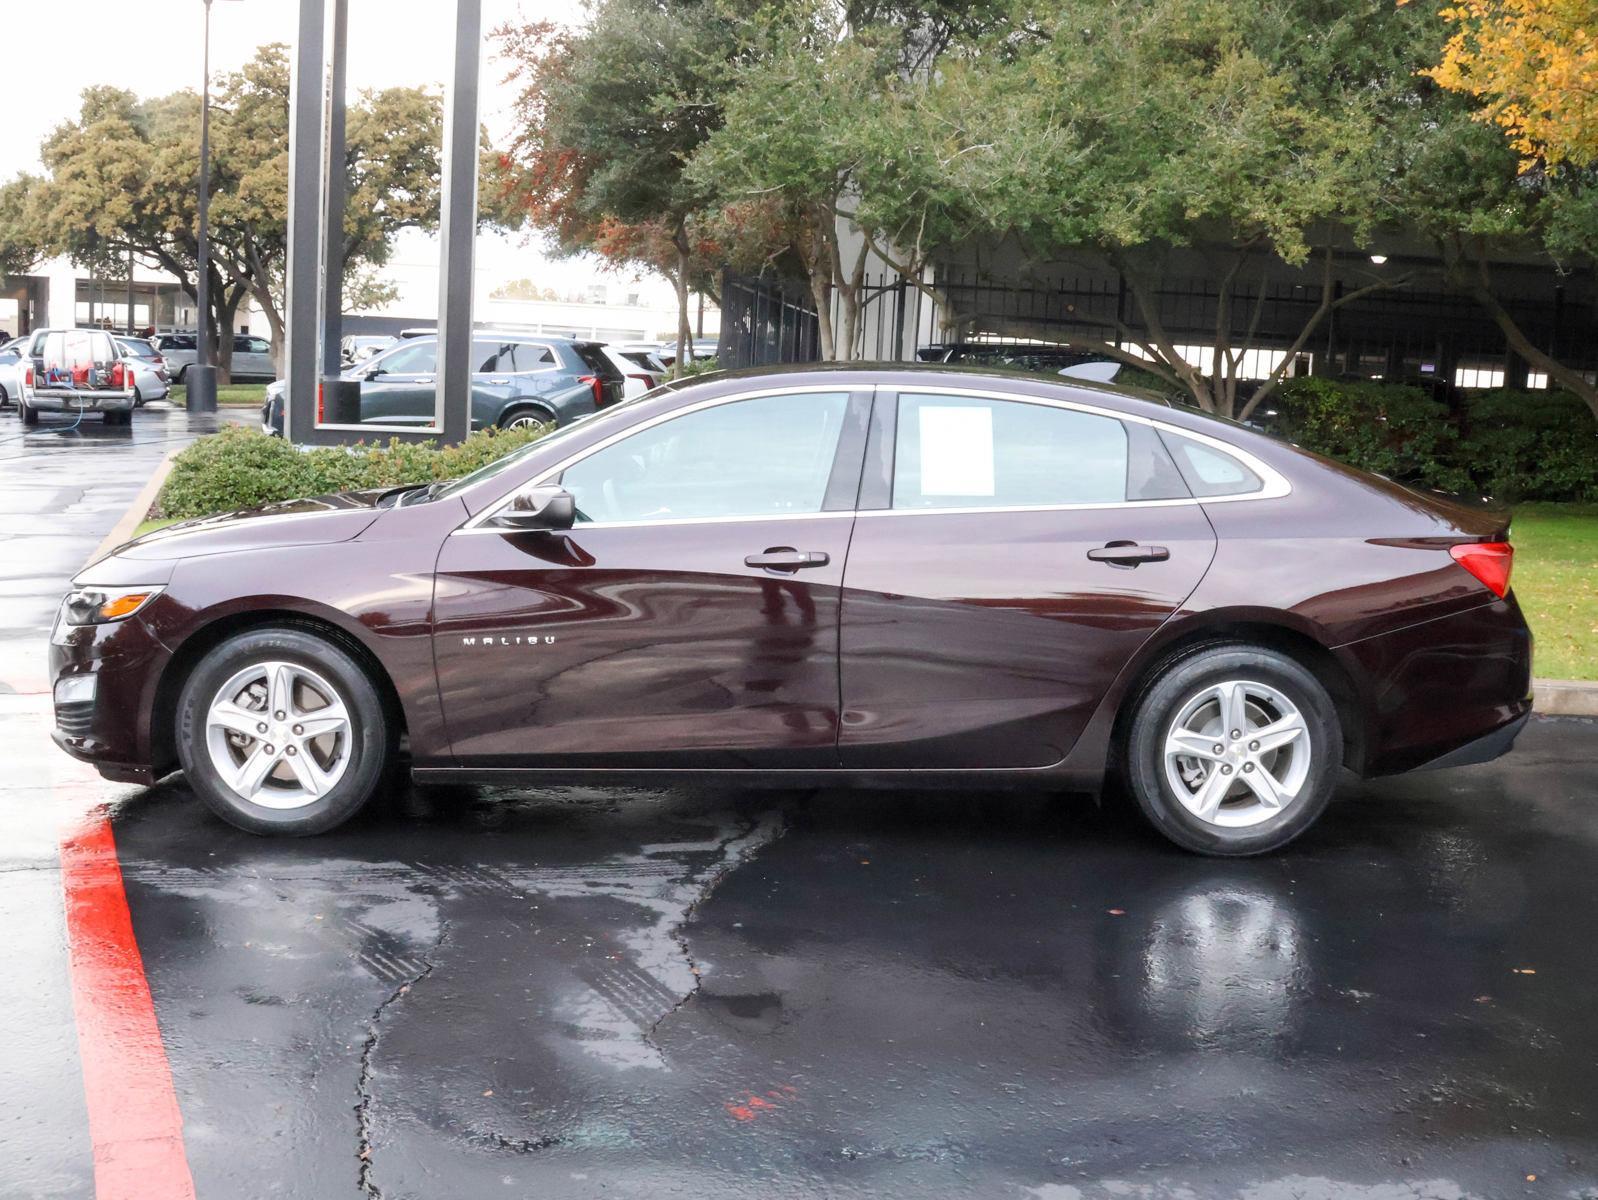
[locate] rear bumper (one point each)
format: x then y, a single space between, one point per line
1436 690
1483 749
86 401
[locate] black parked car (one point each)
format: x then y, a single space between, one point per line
517 379
1023 356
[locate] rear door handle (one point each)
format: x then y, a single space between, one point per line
786 558
1128 554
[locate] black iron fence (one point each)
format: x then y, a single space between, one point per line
766 320
1421 328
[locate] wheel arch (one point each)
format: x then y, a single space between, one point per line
1252 628
163 711
544 411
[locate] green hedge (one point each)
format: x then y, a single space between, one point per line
1515 445
243 468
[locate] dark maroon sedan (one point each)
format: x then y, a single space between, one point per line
826 576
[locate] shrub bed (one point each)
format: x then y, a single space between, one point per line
244 468
1515 445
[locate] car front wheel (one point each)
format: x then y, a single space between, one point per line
281 731
1234 750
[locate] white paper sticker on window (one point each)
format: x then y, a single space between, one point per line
956 451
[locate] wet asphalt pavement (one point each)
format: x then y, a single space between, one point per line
471 993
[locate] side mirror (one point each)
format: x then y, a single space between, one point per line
538 509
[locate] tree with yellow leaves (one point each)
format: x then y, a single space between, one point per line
1533 65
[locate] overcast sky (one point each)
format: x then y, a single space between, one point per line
153 48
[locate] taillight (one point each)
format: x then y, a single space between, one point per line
28 381
598 384
643 379
1489 562
321 403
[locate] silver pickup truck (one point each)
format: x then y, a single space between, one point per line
75 371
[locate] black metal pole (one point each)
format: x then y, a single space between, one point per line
201 376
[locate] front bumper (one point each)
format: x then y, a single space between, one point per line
111 731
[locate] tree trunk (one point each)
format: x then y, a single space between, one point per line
821 293
679 239
1572 381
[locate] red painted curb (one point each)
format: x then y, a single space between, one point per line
134 1121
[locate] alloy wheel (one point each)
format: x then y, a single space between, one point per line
1237 753
279 735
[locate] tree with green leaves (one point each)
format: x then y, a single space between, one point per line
608 114
21 248
1122 133
1461 182
120 179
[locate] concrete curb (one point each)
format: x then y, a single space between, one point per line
1564 697
122 531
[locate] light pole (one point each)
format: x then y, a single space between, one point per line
201 377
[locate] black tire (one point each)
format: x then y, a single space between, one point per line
30 415
523 413
182 375
138 397
1180 683
369 745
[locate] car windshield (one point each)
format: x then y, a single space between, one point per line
590 422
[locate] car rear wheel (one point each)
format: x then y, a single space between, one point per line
526 418
1233 750
30 415
282 732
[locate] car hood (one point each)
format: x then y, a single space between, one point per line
316 521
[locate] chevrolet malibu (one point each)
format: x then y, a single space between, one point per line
935 575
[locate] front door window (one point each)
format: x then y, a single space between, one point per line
764 457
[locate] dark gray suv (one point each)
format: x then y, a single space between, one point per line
517 379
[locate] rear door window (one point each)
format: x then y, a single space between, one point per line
973 452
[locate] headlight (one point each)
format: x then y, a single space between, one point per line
100 606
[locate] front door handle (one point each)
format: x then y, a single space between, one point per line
1128 554
786 558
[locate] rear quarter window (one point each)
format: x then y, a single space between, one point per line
1210 472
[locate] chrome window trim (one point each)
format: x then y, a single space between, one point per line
1274 484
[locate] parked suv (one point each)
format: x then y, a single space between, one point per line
252 356
517 379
